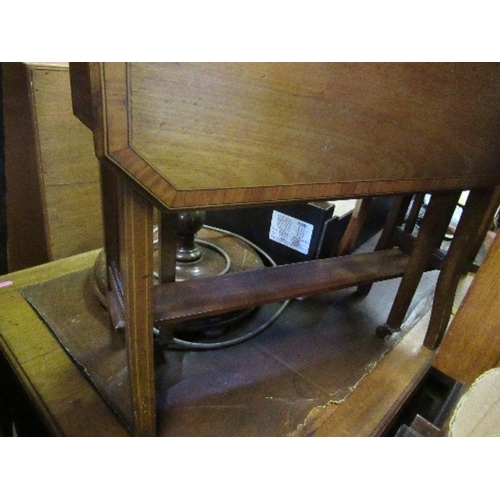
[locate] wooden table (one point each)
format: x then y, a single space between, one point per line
68 405
200 136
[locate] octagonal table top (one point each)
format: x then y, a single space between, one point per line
227 134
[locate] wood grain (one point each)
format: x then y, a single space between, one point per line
356 222
25 201
136 266
470 233
430 235
199 135
196 298
211 135
472 342
51 170
81 93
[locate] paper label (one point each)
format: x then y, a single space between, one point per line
291 232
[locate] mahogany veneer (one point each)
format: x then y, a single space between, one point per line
182 136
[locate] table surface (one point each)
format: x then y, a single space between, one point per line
70 406
212 134
67 403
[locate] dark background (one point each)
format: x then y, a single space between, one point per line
3 215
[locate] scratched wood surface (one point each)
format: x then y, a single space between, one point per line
68 405
225 134
315 354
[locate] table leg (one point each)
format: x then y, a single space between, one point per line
110 195
484 227
136 266
418 201
354 227
394 219
469 231
430 235
167 260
